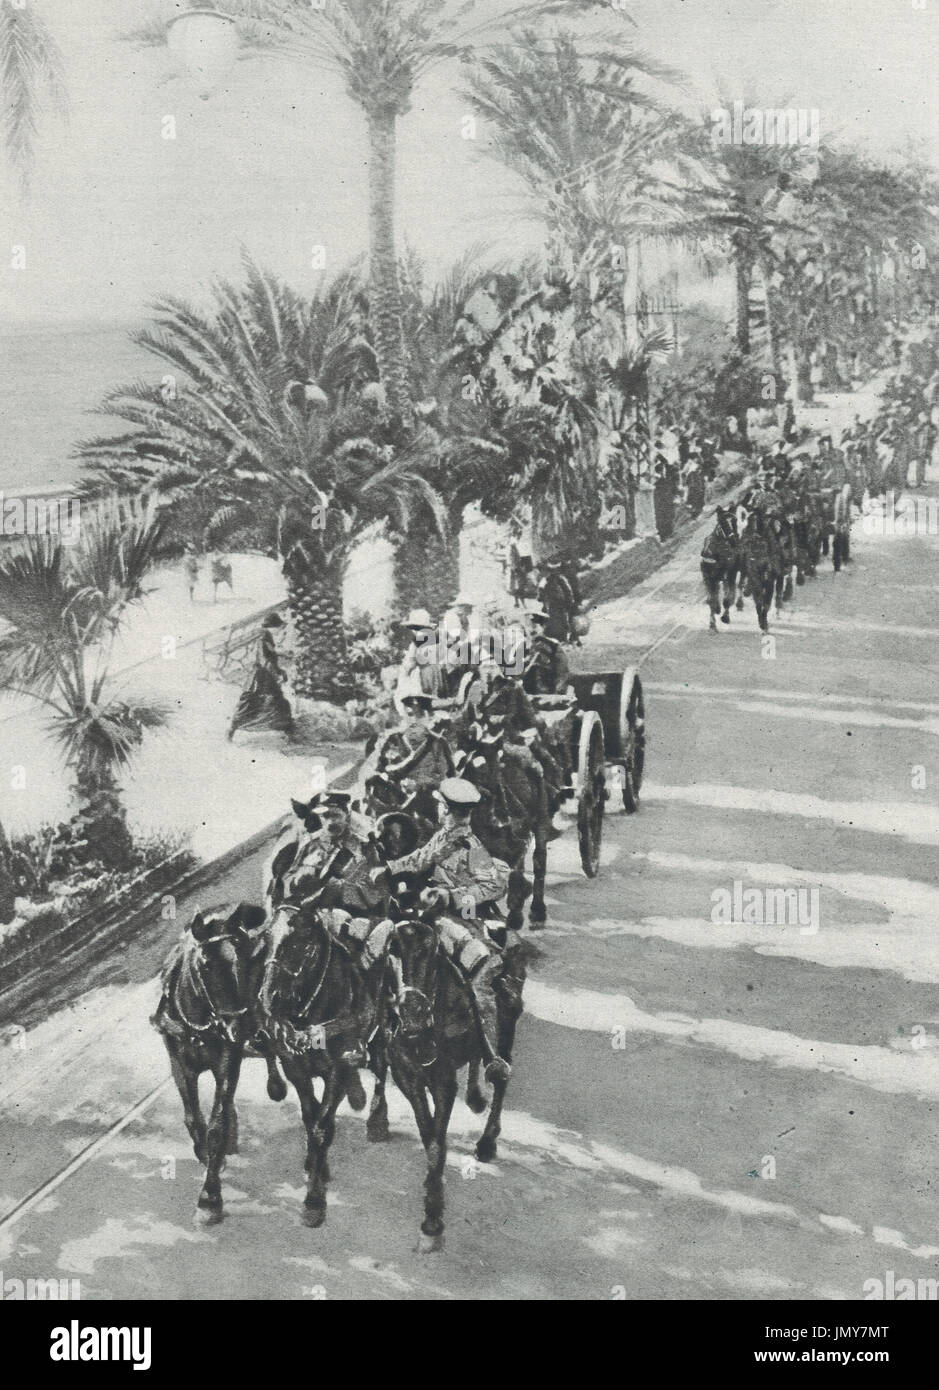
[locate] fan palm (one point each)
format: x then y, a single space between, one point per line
273 419
61 608
31 81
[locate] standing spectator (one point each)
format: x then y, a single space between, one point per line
221 574
193 570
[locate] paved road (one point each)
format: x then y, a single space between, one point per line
701 1108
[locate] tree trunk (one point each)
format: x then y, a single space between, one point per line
742 272
386 308
427 566
314 592
7 891
100 823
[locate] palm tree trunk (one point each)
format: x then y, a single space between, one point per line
742 273
7 891
314 592
387 315
426 566
100 822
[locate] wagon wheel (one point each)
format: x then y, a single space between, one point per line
632 723
591 782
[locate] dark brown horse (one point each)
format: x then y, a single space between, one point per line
206 1019
512 816
315 1009
431 1029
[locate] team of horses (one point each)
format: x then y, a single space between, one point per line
763 554
277 984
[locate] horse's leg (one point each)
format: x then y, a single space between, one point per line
276 1085
445 1089
376 1126
474 1096
302 1082
538 913
516 898
186 1075
226 1070
321 1137
487 1144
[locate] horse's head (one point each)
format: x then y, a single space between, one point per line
223 942
297 938
415 958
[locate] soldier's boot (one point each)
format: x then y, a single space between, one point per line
480 967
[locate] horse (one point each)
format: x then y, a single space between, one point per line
760 565
432 1030
205 1016
314 1006
720 567
512 816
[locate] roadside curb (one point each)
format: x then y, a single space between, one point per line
24 975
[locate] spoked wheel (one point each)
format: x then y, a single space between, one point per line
591 782
632 722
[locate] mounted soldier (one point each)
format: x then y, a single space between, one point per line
414 758
558 595
330 853
499 703
467 883
546 670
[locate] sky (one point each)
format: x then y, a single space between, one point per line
276 160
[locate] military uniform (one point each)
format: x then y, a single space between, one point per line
461 864
301 863
417 753
546 668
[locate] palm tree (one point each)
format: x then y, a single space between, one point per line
382 49
588 139
274 422
31 81
62 608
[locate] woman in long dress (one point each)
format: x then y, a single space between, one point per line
263 706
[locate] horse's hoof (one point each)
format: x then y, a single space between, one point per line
429 1245
232 1147
201 1153
276 1088
355 1092
377 1134
486 1149
314 1217
476 1101
725 617
209 1215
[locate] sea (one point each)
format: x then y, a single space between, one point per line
51 377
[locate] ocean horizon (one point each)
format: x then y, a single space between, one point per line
52 376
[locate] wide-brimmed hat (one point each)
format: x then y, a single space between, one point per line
417 618
419 699
273 620
463 600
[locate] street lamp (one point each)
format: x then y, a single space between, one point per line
205 41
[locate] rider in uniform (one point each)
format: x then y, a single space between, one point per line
499 698
334 854
413 756
462 869
546 667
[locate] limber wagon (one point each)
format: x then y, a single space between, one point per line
604 725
